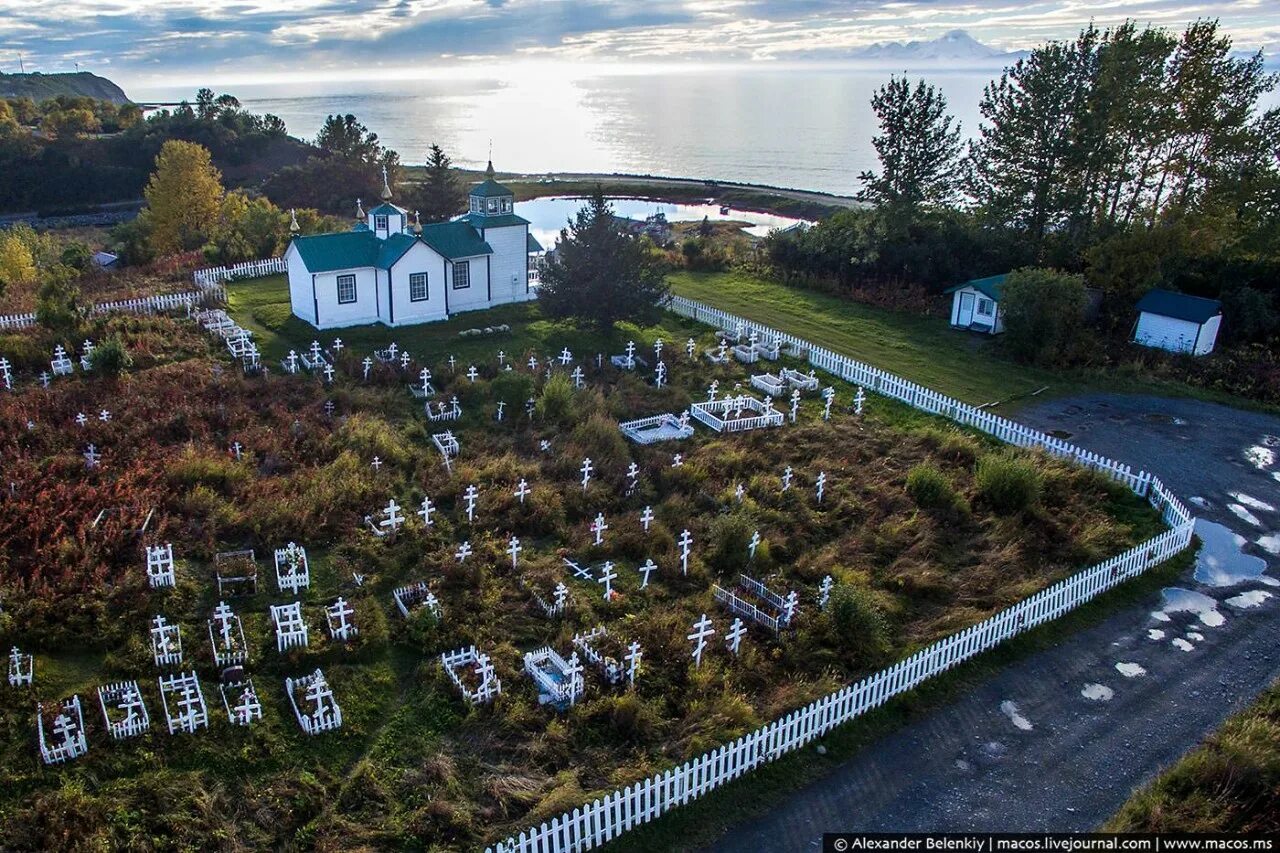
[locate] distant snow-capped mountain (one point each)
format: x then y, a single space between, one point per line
956 47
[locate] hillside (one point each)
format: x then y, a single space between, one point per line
39 87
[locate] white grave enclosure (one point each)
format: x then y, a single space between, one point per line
736 414
160 566
413 596
226 637
559 681
292 570
663 427
124 714
240 700
291 630
60 731
473 674
183 701
313 703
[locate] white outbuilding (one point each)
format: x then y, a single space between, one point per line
1177 322
975 305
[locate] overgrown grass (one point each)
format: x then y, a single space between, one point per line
1230 783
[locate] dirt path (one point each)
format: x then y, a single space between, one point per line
1060 739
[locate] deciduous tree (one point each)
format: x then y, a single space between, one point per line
184 198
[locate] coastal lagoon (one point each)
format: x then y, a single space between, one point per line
548 215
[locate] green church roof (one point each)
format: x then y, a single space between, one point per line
532 244
387 209
455 239
393 249
342 251
498 220
490 189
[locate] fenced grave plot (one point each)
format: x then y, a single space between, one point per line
60 731
313 702
236 572
472 673
753 600
559 681
123 712
416 596
664 427
240 701
737 414
183 700
293 572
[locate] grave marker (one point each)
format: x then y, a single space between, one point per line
166 642
598 527
188 712
701 631
470 496
522 490
291 630
514 549
632 658
22 668
685 542
821 484
646 518
647 569
160 566
339 615
824 592
425 512
607 577
586 472
464 551
733 639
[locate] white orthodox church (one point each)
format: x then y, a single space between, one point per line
390 271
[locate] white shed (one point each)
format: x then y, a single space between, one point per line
1177 322
975 305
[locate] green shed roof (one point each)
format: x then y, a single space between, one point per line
991 286
455 239
489 189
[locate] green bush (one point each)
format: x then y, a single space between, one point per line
930 488
110 358
555 405
1008 483
860 625
728 537
599 438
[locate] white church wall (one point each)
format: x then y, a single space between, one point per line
300 299
365 309
476 295
421 258
508 263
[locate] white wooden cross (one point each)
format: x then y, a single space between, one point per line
787 474
561 593
376 464
502 356
513 548
530 406
647 569
789 606
701 631
677 461
405 358
45 379
598 527
425 512
632 657
689 346
425 376
21 668
661 377
471 373
160 566
822 482
607 576
533 364
724 350
501 406
6 374
393 518
82 419
315 351
733 639
470 496
824 592
566 356
828 397
577 376
573 677
336 346
328 373
292 359
599 360
631 353
646 518
712 390
166 642
464 551
633 473
858 400
452 362
753 544
739 492
586 472
91 457
341 613
795 404
657 350
104 416
522 489
393 349
368 365
686 540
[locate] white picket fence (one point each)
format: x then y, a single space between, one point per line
211 276
140 305
626 808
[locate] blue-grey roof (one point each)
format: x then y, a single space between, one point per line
1180 306
393 249
388 209
532 244
992 286
489 189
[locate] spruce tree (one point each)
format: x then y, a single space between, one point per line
918 147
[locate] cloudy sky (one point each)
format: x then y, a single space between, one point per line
179 41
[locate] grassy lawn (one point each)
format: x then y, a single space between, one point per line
262 306
922 349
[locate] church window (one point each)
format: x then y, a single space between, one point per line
346 289
417 286
493 205
380 222
461 275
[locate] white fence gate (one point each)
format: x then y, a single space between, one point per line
248 269
608 817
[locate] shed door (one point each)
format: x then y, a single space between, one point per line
965 316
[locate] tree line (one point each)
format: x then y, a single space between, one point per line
1133 156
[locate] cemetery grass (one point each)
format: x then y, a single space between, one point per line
412 766
921 348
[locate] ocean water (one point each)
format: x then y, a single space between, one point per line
808 129
547 216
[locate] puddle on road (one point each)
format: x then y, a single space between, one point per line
1251 502
1195 635
1130 670
1179 643
1260 457
1244 515
1156 633
1252 598
1270 543
1161 616
1179 600
1097 692
1203 503
1220 561
1010 710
